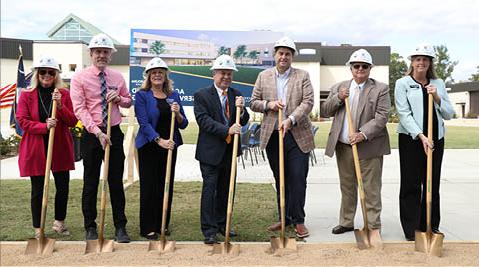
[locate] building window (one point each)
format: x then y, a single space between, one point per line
145 41
144 50
73 67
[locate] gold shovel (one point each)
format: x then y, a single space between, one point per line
365 238
429 242
164 245
44 245
279 245
226 247
101 244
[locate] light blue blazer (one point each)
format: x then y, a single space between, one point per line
409 105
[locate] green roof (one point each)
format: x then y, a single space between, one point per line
88 26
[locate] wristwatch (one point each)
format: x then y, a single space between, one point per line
157 139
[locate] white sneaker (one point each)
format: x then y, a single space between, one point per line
60 228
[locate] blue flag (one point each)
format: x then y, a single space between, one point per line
22 82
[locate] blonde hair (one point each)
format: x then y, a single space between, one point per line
167 85
430 74
58 83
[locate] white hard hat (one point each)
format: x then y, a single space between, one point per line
360 55
101 41
423 50
46 62
285 42
224 62
155 63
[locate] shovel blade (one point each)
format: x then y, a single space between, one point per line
279 247
435 247
375 239
362 238
97 246
41 246
226 249
429 243
162 246
421 241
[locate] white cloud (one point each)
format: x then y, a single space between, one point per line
400 24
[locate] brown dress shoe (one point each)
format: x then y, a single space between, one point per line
301 231
275 227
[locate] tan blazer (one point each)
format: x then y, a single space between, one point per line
373 108
299 103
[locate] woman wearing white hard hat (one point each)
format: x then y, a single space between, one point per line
155 102
411 98
33 114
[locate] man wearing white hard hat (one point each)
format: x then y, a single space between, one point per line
92 89
287 88
370 104
411 96
34 117
155 103
215 112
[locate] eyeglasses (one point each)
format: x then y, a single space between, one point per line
50 72
363 66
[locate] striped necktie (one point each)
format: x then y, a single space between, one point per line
226 111
104 106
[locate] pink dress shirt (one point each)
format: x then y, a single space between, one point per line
85 91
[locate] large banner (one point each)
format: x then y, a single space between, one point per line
190 54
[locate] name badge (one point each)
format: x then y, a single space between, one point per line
414 86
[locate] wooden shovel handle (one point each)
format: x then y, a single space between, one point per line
166 191
234 155
48 167
429 165
104 180
357 167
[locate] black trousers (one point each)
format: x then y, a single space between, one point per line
412 194
214 195
296 167
152 169
92 154
62 181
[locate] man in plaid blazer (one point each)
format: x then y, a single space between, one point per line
290 89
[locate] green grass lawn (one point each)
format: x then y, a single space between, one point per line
456 136
254 210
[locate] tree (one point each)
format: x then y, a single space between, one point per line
444 67
157 48
397 69
475 77
253 55
240 52
223 50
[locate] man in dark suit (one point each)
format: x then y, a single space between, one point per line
215 112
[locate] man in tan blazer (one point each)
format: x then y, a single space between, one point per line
287 88
370 104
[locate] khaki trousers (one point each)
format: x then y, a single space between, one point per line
371 170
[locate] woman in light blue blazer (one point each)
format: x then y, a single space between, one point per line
154 104
411 97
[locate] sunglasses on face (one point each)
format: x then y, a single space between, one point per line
363 66
50 72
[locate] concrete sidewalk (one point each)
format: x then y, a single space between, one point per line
459 189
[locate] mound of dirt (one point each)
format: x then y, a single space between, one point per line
187 254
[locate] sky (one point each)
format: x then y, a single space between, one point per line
399 24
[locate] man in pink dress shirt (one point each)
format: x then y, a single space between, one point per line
91 90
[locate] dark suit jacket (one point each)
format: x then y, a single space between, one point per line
211 144
373 108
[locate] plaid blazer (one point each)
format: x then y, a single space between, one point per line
299 103
373 108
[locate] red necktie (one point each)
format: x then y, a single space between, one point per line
227 112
